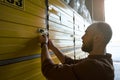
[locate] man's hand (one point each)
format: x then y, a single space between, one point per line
43 40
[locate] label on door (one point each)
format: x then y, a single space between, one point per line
13 3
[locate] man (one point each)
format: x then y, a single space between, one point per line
97 66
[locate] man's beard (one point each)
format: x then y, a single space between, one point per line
87 48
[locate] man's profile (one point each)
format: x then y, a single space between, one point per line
97 66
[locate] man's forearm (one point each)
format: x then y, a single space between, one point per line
59 54
45 53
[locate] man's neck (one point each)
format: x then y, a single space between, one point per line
98 52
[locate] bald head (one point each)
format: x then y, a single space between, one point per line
96 37
103 29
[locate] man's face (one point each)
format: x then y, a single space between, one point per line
87 40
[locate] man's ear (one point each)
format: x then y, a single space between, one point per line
98 38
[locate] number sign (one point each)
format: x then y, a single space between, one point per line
17 3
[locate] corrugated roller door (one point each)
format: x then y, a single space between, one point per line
19 55
61 26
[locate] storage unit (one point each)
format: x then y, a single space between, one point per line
19 22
